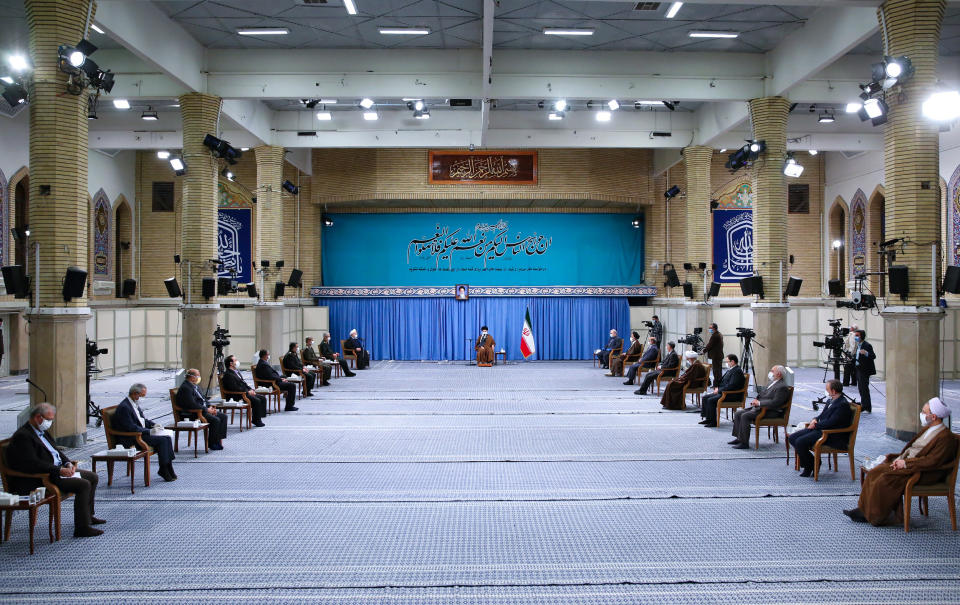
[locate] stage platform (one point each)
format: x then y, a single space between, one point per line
429 483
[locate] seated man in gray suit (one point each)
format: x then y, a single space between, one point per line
773 399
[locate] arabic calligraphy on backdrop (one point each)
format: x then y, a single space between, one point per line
486 242
483 167
733 234
233 243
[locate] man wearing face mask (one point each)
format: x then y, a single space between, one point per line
129 418
670 361
233 381
672 398
714 352
32 450
616 365
190 399
484 348
773 399
882 492
293 365
863 357
354 342
615 342
732 380
264 371
649 356
836 415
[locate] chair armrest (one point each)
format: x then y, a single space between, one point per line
13 473
761 415
849 429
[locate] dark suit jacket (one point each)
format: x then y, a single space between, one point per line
672 360
264 371
326 351
233 381
649 354
27 454
836 415
291 361
866 361
190 399
714 348
125 418
353 343
310 356
774 398
732 380
614 343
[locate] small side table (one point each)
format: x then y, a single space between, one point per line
106 456
24 504
235 407
500 355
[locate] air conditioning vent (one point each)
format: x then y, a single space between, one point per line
311 2
646 6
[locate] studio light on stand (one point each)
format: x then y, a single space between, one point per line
791 167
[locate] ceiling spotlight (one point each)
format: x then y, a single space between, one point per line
351 7
555 115
227 174
637 221
121 104
827 118
149 115
757 146
422 115
14 94
649 103
366 103
404 31
370 116
18 62
418 105
263 31
178 165
874 108
723 150
222 149
556 31
94 27
813 152
613 104
942 106
672 106
290 187
327 220
603 116
713 34
791 167
163 155
560 105
854 107
324 116
671 192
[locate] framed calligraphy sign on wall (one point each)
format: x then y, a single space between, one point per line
483 167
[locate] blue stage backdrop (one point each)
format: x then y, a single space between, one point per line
439 328
732 244
496 249
233 243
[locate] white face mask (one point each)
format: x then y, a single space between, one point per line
770 376
45 425
923 419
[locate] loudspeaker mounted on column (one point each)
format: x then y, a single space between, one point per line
129 287
835 287
687 289
278 289
16 281
751 285
793 287
224 286
209 287
714 290
672 280
951 281
73 283
295 278
173 288
252 290
899 281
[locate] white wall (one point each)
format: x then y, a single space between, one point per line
14 142
115 175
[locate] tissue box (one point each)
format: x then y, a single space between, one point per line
9 499
188 424
262 390
294 378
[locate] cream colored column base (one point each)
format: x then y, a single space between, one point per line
199 322
912 336
770 324
270 330
58 364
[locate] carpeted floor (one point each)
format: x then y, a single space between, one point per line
444 483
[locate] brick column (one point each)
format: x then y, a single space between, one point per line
271 246
769 119
911 162
198 232
697 161
59 215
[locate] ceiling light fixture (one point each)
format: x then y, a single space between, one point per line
149 115
370 116
556 31
94 27
366 103
603 116
404 31
613 104
942 106
18 62
648 103
324 116
555 115
227 174
827 118
121 104
328 101
673 10
178 165
351 7
791 167
263 31
813 152
560 105
163 155
854 107
422 115
713 34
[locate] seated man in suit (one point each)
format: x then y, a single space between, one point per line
129 418
669 362
934 446
649 355
233 381
836 415
354 342
732 380
264 371
695 373
616 365
773 399
190 399
311 358
292 364
31 450
615 342
327 352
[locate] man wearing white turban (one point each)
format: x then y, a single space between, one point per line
883 487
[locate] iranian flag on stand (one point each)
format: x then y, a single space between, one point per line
527 346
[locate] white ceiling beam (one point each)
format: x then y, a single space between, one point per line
128 139
827 36
830 3
715 119
152 36
251 115
486 61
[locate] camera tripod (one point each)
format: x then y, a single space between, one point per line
746 359
216 367
93 410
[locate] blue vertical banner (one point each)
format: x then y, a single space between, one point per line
732 245
234 243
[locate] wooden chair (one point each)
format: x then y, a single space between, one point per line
144 451
697 388
193 432
302 383
350 354
947 488
274 394
241 406
6 473
776 423
650 365
821 447
319 371
614 353
666 375
733 400
627 359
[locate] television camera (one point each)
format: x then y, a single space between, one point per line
833 344
93 351
694 340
